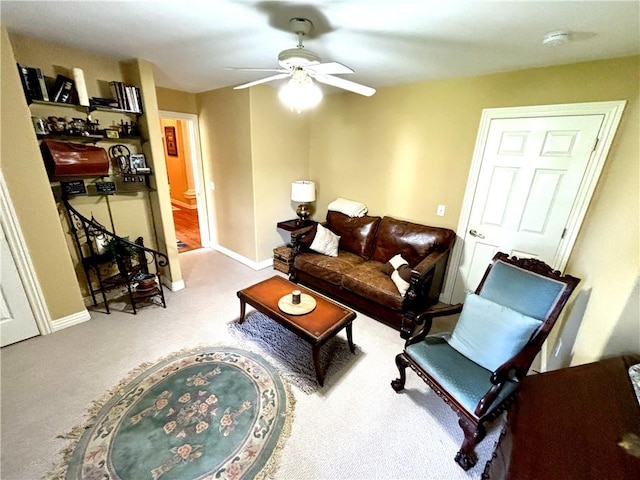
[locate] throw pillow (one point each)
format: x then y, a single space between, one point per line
400 272
325 242
489 333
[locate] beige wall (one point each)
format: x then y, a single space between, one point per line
31 196
176 101
225 131
255 149
408 148
280 146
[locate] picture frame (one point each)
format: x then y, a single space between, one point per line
111 133
170 141
137 163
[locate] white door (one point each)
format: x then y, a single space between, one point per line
531 172
17 321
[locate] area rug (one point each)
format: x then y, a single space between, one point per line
206 413
292 355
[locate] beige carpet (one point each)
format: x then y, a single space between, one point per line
355 427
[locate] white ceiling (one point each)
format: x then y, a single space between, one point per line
386 42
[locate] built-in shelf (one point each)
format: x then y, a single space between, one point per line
89 109
87 138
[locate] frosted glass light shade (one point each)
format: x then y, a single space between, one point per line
300 93
303 191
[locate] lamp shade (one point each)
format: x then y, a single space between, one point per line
303 191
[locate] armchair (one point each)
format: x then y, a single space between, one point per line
477 368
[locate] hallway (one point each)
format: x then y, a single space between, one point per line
187 228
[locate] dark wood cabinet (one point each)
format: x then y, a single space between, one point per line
569 423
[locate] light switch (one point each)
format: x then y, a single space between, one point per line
212 186
440 210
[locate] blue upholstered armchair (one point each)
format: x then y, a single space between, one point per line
501 328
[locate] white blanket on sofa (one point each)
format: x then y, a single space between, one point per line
348 207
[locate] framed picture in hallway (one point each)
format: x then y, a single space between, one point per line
170 140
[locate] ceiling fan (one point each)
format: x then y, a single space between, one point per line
302 64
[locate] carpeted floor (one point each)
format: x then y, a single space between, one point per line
355 427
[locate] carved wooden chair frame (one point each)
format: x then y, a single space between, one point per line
473 423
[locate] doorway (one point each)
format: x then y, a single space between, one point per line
23 311
533 173
186 180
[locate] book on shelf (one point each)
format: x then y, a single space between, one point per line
33 83
139 98
63 90
27 85
128 96
42 84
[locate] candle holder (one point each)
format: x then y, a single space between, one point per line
295 297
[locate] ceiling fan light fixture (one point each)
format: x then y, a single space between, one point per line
300 93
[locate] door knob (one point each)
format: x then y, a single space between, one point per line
473 233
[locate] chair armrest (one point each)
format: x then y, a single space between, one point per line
427 318
515 367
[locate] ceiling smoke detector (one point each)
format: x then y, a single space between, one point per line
555 38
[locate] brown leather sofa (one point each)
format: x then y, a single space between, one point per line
355 276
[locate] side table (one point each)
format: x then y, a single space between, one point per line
294 225
283 255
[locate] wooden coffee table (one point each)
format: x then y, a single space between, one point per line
315 327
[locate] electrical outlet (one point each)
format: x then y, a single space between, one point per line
440 210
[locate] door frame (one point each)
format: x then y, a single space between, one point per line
612 112
20 254
206 226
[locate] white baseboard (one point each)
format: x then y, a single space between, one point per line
70 320
245 261
174 286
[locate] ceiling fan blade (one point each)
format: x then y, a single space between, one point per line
346 84
242 69
263 80
329 68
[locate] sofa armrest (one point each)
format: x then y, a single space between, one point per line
295 239
424 288
430 261
428 275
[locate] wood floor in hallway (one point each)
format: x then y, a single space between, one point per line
187 228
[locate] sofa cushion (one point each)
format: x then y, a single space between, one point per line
367 280
399 271
329 269
325 242
411 240
357 234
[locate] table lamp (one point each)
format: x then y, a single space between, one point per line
303 191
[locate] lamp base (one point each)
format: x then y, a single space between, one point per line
304 212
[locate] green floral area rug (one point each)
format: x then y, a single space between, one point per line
206 413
